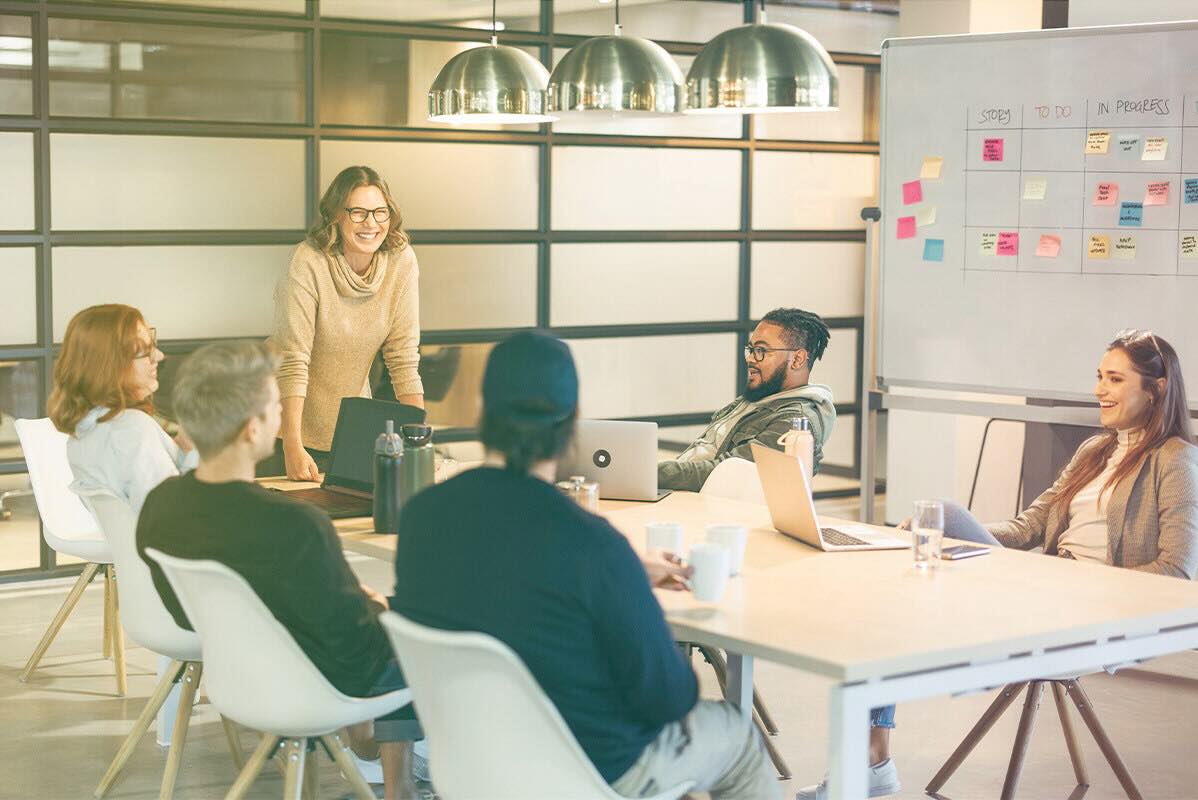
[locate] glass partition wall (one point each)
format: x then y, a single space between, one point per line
170 154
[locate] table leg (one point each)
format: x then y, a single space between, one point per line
848 744
739 690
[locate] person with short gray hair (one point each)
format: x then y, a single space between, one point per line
220 387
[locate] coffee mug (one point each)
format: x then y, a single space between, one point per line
710 564
734 538
664 536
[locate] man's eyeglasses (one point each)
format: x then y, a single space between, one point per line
381 214
149 350
757 352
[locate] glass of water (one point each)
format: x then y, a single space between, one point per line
927 532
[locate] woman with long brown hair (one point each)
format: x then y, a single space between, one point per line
104 382
350 291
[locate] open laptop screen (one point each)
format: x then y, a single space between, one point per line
359 422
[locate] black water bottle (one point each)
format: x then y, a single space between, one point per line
388 466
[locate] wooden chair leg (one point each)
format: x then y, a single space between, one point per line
68 605
169 677
336 748
297 757
118 637
234 742
1023 738
783 769
263 751
1082 701
975 735
108 595
174 757
311 776
1075 750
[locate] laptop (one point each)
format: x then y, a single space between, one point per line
788 495
620 456
348 486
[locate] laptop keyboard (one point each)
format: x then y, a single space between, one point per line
335 504
839 539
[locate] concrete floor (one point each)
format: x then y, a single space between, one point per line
58 733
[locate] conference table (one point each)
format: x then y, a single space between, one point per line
885 632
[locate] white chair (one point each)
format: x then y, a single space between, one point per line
735 479
151 625
71 530
259 677
467 686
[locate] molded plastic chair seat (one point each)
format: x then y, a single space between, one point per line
467 686
735 479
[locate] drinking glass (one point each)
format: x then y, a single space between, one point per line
927 532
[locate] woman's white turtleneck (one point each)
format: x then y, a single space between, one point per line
1087 537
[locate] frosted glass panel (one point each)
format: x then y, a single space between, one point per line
812 191
477 286
16 58
453 377
447 186
269 6
842 444
185 292
824 277
846 124
16 165
669 20
614 284
648 375
630 188
522 15
838 367
175 182
18 287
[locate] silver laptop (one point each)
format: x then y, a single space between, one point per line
788 495
620 456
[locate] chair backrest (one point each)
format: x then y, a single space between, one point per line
64 517
468 686
143 615
255 672
735 479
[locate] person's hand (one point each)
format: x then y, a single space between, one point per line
300 466
905 525
666 570
184 441
375 597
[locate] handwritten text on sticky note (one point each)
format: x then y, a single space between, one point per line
1125 248
933 250
1191 190
1100 247
912 192
1008 243
1035 188
1189 246
1155 148
1131 215
1105 194
1157 194
989 246
906 227
1049 246
1097 142
930 170
992 149
1129 144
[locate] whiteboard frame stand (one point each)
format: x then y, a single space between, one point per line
868 419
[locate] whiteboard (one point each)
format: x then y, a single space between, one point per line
1028 126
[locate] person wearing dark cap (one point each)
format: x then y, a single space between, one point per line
500 550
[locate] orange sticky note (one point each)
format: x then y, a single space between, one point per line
906 227
1049 246
1106 194
1157 194
1100 247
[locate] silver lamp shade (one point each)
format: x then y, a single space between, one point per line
761 68
493 84
617 74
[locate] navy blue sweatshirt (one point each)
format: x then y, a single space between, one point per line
510 556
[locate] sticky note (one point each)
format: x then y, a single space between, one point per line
989 243
992 149
1125 248
1155 148
933 250
1105 194
1049 246
926 215
1008 243
1189 246
912 192
1131 215
1129 144
906 227
1097 142
1191 190
1157 194
1035 188
1100 247
930 170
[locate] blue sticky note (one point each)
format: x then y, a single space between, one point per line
1131 215
1191 190
933 250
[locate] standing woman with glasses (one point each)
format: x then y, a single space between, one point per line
351 291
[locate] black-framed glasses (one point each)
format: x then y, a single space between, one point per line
149 351
757 352
381 214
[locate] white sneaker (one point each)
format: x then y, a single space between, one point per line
420 761
883 780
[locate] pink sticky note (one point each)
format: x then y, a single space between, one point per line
1106 194
1157 194
992 149
912 192
906 227
1049 246
1008 243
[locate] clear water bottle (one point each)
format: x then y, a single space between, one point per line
800 443
388 474
419 462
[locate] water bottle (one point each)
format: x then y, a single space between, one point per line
419 465
800 443
388 471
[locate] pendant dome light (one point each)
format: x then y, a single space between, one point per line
616 74
493 84
762 68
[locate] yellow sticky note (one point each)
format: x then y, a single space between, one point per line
1189 246
1100 247
1125 248
1155 148
925 216
1035 188
1097 142
931 168
989 243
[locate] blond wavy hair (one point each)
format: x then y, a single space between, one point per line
325 233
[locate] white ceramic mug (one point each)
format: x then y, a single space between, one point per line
664 536
734 538
710 564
